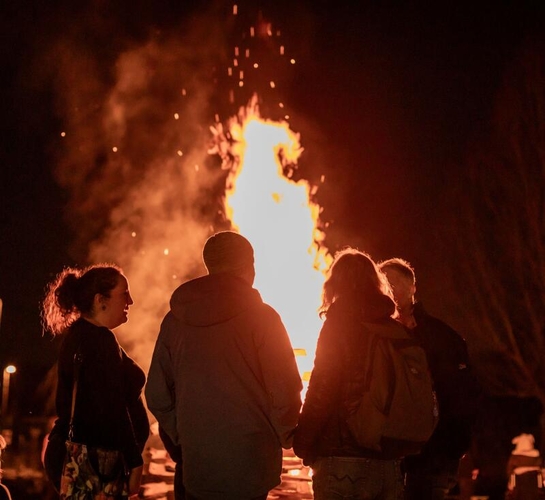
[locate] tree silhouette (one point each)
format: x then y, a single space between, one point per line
500 230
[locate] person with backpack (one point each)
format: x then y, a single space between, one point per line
359 418
432 473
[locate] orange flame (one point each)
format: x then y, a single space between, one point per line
277 215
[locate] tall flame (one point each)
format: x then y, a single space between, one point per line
279 218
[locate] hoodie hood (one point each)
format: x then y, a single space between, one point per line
213 299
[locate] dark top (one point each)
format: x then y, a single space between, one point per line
223 383
109 411
456 388
338 370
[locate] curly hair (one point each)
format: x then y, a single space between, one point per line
72 294
353 274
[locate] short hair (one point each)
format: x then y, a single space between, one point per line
227 252
400 265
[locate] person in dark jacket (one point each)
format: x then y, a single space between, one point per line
354 292
433 473
85 305
223 382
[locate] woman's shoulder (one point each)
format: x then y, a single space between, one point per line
89 339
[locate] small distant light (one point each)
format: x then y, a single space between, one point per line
294 472
114 149
176 116
281 50
322 178
184 92
252 31
256 65
231 96
292 61
174 277
179 152
63 134
133 234
247 53
235 63
241 84
281 105
236 51
165 251
287 117
273 85
241 75
230 71
196 168
235 9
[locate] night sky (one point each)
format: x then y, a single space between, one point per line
389 98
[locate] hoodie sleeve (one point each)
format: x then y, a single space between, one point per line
160 394
280 375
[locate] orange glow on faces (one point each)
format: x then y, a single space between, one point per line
278 217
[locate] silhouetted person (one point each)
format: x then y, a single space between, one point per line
431 474
223 382
525 470
358 305
85 306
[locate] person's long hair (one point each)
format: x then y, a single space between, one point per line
72 294
353 276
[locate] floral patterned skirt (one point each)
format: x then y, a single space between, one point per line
93 474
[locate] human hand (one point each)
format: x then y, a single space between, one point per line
134 481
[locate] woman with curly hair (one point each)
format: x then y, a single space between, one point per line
107 414
356 302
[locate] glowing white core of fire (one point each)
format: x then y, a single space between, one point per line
275 213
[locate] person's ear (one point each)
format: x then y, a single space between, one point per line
99 302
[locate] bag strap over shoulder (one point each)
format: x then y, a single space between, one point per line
78 359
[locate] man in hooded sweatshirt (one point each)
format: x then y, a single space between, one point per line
223 382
